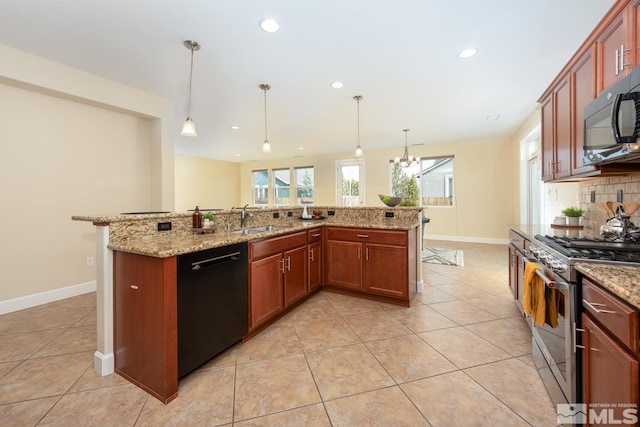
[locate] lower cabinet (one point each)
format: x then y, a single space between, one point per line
277 276
371 262
610 372
610 367
315 263
145 322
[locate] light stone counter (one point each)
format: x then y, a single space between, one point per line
623 281
139 234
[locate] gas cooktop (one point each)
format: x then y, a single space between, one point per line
593 249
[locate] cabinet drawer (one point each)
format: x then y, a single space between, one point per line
615 315
273 245
314 235
367 235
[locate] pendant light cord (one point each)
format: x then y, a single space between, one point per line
358 109
265 114
190 81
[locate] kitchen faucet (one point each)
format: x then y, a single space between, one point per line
243 215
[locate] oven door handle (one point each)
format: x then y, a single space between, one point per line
552 284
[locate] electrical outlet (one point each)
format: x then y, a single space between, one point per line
89 261
289 213
593 196
388 214
164 226
276 215
331 213
619 196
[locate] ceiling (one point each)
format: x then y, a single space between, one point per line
400 55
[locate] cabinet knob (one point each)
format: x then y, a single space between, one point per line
134 287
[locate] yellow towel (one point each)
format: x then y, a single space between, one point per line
533 301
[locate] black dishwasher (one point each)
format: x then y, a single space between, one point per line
212 303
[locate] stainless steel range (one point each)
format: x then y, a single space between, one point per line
554 348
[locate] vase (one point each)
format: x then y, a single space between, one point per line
573 220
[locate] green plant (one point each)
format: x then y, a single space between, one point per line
208 216
572 211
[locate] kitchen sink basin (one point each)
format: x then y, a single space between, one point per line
257 230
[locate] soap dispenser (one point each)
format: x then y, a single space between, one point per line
197 218
305 214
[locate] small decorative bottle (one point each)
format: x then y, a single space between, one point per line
197 218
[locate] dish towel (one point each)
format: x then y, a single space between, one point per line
533 300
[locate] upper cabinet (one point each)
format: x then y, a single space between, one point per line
614 52
608 54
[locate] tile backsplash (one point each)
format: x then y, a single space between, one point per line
606 189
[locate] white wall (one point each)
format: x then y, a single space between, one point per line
73 144
482 186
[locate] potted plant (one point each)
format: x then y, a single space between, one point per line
207 220
573 215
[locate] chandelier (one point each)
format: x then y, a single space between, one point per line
406 160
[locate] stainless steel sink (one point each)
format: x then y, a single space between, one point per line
257 230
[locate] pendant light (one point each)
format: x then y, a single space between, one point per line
406 160
266 146
189 128
358 147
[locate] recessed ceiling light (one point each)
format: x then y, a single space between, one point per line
492 117
237 155
235 127
269 25
300 148
337 85
467 53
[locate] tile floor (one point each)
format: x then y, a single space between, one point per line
459 356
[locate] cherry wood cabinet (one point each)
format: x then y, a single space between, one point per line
610 349
145 322
614 54
610 372
277 276
265 289
314 239
607 55
583 86
371 263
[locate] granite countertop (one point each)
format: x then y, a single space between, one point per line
172 245
623 281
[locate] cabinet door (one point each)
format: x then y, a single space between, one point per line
343 261
546 112
584 91
610 374
145 322
295 275
265 290
634 31
385 270
610 60
315 265
563 134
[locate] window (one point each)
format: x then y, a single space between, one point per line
304 185
436 181
282 187
261 188
429 183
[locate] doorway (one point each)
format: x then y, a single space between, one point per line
350 184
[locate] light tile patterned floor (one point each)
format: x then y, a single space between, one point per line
459 356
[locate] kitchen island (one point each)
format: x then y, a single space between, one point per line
164 237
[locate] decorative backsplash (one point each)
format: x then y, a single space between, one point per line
606 189
123 229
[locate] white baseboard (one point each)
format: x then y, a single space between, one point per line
468 239
28 301
103 364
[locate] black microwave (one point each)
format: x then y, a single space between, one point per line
612 123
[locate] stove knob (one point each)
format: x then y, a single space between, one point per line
558 266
